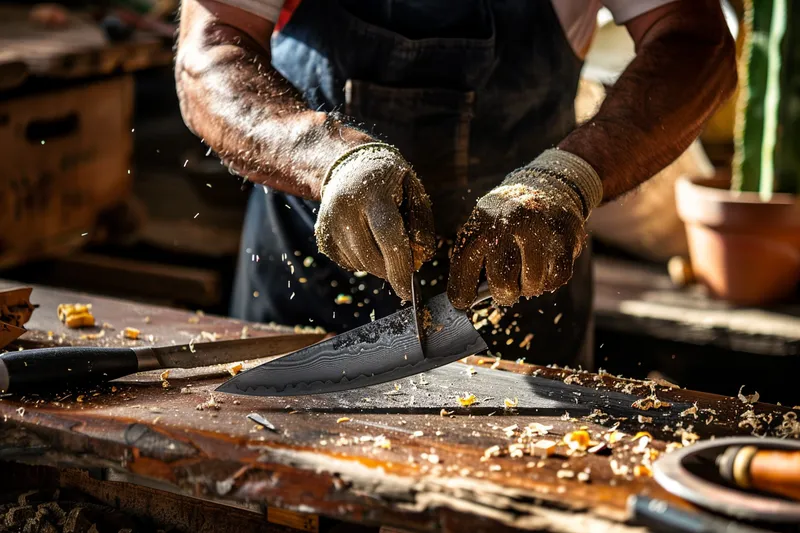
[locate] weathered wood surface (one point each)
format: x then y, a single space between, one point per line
429 477
632 298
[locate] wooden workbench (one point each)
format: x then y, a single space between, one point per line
384 455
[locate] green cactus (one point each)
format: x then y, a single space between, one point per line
767 136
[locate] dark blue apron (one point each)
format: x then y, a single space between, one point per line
468 90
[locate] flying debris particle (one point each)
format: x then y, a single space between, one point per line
196 215
344 299
526 342
557 319
308 261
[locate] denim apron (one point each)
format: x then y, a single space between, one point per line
468 90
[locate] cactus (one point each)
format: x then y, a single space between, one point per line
767 135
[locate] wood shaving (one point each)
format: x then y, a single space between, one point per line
210 404
642 434
577 440
510 404
471 371
417 434
642 471
691 411
496 363
76 315
93 336
235 369
543 448
565 474
614 437
645 419
342 420
445 412
131 333
467 400
537 429
750 398
584 476
193 320
164 375
207 335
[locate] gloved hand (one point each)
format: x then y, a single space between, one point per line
527 232
375 216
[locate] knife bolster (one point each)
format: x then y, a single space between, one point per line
146 359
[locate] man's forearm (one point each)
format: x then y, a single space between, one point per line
254 119
684 69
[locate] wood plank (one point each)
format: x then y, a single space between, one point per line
632 298
373 456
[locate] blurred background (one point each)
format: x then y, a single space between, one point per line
103 189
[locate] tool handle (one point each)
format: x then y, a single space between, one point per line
658 515
772 471
53 369
776 472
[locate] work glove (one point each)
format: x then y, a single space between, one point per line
375 216
527 232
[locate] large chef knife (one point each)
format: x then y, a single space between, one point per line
387 349
49 369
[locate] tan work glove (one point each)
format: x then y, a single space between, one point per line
375 216
527 232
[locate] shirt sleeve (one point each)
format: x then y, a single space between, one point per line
625 10
266 9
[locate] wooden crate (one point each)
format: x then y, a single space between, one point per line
64 157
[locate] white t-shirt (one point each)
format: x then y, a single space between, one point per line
578 17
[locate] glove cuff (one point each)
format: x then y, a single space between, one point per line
574 171
349 153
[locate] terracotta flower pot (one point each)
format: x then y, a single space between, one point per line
744 250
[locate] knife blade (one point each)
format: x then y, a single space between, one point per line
47 369
381 351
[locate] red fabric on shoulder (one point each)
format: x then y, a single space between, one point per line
286 13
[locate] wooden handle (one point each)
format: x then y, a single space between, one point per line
776 472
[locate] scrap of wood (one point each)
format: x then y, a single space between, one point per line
15 310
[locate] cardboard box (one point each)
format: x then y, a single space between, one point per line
64 158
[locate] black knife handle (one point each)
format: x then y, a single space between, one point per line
54 369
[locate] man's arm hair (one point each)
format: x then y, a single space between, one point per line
252 117
684 69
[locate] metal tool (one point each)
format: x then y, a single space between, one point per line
693 474
48 369
384 350
755 468
658 515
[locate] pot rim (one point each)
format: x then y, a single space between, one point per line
715 188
